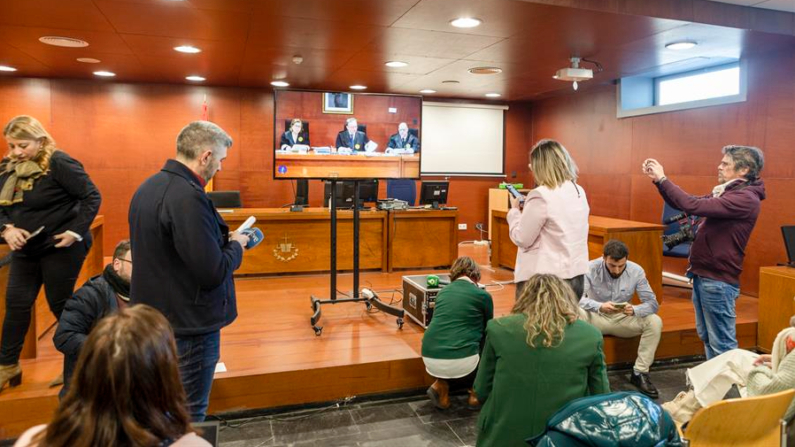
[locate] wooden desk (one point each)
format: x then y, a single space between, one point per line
300 242
643 239
422 238
41 317
776 303
311 165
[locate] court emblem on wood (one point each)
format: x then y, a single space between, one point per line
285 251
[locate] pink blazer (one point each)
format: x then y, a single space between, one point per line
551 232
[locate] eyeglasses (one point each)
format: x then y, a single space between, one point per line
124 260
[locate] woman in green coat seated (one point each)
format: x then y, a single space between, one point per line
534 362
451 344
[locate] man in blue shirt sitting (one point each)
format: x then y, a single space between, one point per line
610 283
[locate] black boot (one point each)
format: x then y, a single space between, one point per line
643 384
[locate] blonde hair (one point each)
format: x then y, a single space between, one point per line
548 303
24 127
551 164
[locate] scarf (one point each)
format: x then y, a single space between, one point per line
20 179
720 189
119 284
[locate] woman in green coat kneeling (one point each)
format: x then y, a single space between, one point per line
534 362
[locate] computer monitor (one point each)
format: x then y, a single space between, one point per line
301 192
434 193
789 242
368 192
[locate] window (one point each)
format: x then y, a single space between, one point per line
687 84
698 85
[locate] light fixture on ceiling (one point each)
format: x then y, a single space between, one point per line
187 49
465 22
451 81
59 41
195 78
6 68
396 64
88 60
427 91
358 87
681 45
575 73
280 84
105 74
485 70
493 95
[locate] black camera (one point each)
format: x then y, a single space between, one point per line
686 233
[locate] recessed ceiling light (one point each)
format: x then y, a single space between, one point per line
493 95
485 70
280 84
466 22
7 68
59 41
358 87
195 78
106 74
396 64
450 81
682 45
427 91
88 60
187 49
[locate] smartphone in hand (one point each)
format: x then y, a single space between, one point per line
514 192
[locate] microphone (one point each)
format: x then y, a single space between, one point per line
675 218
255 236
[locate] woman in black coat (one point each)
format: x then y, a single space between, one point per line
47 205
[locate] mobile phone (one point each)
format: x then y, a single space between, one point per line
514 192
36 233
620 305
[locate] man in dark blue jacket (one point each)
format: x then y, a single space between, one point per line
100 296
727 217
185 256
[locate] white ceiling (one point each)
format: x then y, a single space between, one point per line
778 5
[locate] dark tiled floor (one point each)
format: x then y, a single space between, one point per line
403 422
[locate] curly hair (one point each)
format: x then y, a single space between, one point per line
24 127
548 303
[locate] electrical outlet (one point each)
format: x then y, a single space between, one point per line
462 226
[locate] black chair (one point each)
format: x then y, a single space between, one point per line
225 199
415 132
361 127
402 189
304 128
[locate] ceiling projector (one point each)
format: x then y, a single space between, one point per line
574 73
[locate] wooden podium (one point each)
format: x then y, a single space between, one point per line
776 303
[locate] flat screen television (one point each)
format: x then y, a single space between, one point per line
324 135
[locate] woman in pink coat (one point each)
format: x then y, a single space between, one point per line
550 229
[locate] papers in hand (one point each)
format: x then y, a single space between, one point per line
35 233
247 224
371 146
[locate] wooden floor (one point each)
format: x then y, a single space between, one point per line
273 357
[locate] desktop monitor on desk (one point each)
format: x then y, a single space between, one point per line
434 193
368 193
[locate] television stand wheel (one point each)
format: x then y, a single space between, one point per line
368 305
400 323
318 330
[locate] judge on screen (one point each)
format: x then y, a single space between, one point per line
404 140
353 139
294 136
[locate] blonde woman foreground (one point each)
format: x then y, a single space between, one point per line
534 362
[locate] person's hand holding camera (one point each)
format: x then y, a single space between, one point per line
653 169
15 237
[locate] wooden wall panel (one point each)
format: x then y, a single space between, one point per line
688 143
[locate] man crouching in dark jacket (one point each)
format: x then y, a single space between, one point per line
100 296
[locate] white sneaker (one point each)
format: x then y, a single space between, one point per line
683 407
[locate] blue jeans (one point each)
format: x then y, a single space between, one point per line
714 302
198 355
